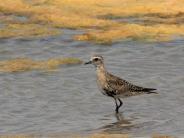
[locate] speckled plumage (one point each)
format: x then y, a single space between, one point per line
114 86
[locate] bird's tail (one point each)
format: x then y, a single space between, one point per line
150 90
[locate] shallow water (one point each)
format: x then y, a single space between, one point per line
68 101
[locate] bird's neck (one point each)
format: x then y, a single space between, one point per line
100 70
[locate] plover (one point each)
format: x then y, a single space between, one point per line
114 86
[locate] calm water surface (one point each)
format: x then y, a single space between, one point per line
68 101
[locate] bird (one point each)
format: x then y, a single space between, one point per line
113 86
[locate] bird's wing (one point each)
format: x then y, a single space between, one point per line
119 85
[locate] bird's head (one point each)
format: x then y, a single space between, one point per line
96 60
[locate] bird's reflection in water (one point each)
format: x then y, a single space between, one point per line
122 125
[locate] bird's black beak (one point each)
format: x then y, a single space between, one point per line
87 62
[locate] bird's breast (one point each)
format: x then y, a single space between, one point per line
101 81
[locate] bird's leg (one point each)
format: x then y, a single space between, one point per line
117 107
120 103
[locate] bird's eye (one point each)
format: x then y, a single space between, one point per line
96 59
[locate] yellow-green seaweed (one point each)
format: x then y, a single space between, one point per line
106 21
27 64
